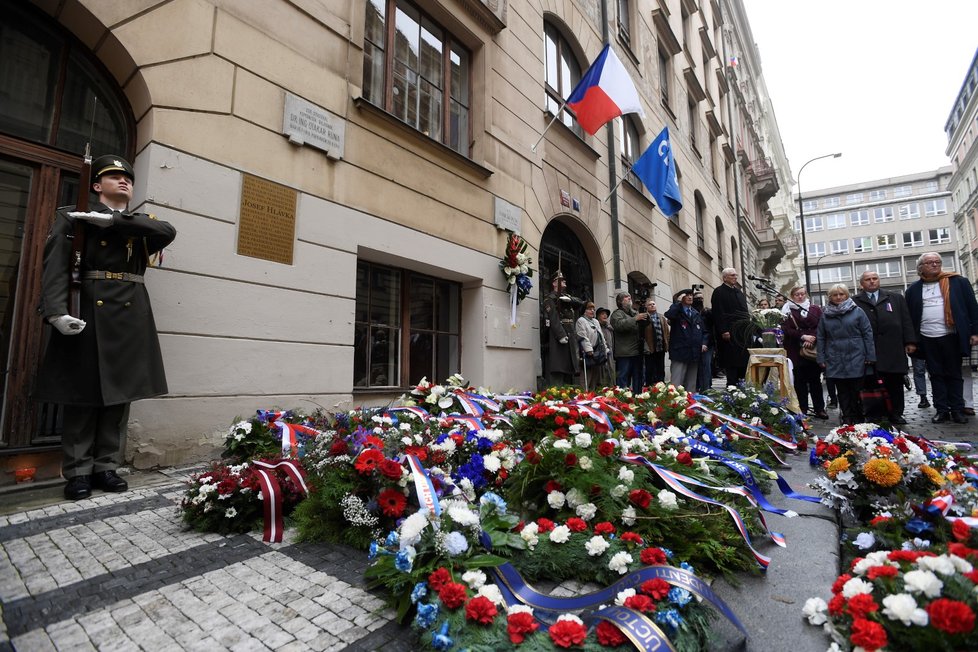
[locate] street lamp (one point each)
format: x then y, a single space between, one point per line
801 215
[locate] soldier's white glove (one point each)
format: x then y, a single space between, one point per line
566 298
100 220
563 340
67 325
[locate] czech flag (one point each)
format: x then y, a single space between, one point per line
605 92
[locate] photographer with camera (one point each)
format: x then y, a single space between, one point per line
627 325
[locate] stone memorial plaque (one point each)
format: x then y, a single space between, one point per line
307 124
266 223
507 216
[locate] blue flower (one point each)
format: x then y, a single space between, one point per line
679 597
489 498
473 470
427 613
392 539
918 526
420 590
484 444
456 543
685 566
373 551
441 640
669 617
404 560
667 552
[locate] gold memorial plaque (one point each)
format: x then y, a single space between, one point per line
266 227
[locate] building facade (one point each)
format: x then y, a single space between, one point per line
962 149
882 225
343 177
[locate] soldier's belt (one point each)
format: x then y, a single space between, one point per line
566 321
112 276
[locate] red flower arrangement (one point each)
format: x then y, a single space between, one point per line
481 610
640 498
518 625
609 635
392 502
568 631
951 616
453 595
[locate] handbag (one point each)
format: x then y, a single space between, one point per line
875 399
804 351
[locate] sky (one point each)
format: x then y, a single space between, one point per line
873 79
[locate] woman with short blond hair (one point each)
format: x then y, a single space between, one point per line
844 342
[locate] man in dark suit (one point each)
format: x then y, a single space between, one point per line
99 361
730 316
944 313
892 331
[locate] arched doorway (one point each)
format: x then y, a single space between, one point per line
561 248
49 82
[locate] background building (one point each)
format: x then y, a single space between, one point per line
343 177
881 225
962 149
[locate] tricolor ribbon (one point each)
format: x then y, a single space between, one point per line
427 498
272 494
290 435
469 404
674 483
502 418
939 505
473 423
584 407
484 401
743 424
268 416
521 400
419 412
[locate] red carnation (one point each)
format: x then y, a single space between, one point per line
601 428
960 530
652 556
339 447
632 537
392 502
882 571
561 433
453 595
607 449
559 420
481 610
570 460
566 633
640 497
439 579
534 457
640 602
657 588
837 604
840 582
972 575
391 469
552 485
418 451
545 525
833 450
861 605
368 460
685 458
879 520
575 524
604 527
609 635
520 624
951 616
868 634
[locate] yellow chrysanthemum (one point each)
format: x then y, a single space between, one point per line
884 473
837 466
955 477
933 475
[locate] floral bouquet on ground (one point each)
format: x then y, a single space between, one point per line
869 471
762 408
903 600
227 499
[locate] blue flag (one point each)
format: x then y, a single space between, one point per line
657 171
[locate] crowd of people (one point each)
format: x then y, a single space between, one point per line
857 342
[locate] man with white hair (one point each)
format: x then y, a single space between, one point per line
730 317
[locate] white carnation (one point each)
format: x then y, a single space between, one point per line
903 607
628 515
624 595
586 511
556 499
583 440
474 578
560 534
940 564
585 463
815 610
575 497
923 581
596 546
668 499
562 444
619 563
856 586
492 593
626 475
619 490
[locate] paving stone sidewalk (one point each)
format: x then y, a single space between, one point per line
119 572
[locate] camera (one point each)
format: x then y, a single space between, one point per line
697 288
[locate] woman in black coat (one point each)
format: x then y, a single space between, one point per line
800 327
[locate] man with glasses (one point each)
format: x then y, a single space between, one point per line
945 318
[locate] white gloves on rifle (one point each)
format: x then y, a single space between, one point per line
66 324
100 220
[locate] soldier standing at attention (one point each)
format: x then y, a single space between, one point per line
560 318
108 355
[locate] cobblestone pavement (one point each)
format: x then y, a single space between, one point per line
119 572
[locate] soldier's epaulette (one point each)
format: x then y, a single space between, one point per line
152 216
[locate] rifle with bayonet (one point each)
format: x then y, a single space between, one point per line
78 236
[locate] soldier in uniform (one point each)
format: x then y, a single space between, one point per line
559 310
97 363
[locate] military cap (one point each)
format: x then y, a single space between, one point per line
111 163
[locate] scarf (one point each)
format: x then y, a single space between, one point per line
802 308
832 310
945 285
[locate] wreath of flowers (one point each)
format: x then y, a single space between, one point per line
515 266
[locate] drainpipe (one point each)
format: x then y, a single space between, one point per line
612 171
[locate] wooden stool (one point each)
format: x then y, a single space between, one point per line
773 366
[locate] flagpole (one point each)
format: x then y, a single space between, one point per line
556 115
623 175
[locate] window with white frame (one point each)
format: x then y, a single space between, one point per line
884 242
889 268
935 207
854 198
810 204
839 246
835 221
930 186
797 225
859 218
862 245
876 195
913 239
902 191
816 249
838 274
939 236
883 214
816 223
831 202
909 211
